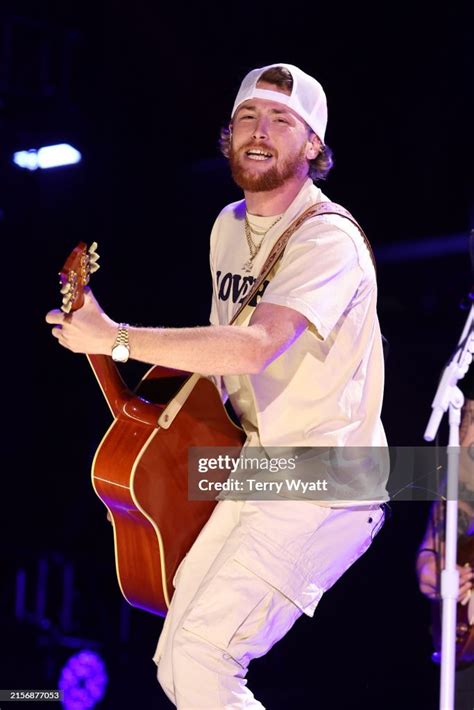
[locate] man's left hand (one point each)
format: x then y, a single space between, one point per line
87 330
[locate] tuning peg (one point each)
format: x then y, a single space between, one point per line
93 258
93 254
66 307
66 288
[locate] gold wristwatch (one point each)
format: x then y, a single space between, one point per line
121 347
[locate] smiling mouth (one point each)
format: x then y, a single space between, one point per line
257 154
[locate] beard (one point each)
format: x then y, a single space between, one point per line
271 179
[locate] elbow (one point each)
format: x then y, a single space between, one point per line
261 360
254 364
256 367
265 349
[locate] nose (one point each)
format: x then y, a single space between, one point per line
261 128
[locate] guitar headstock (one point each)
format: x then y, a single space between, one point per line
75 275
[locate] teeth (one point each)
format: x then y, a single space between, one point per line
258 154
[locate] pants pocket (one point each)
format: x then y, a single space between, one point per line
240 613
345 537
224 603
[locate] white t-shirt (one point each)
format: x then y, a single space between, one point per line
326 389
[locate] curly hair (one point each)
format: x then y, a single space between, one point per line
320 166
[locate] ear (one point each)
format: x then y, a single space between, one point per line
314 147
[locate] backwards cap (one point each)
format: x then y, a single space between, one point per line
307 97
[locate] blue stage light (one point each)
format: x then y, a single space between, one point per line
83 681
50 156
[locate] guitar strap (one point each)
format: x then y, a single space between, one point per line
320 208
277 252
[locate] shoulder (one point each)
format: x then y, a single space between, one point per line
337 235
228 219
235 211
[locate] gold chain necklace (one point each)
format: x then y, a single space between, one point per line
253 247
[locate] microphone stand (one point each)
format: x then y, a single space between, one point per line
448 395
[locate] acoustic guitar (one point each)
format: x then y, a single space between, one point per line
140 469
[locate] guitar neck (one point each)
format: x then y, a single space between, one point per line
110 381
74 278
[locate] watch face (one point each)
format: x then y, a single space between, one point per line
120 353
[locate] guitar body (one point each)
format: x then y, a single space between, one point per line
140 472
464 630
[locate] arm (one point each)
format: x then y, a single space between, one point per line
210 350
427 574
298 295
466 439
427 555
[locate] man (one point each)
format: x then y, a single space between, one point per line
431 553
303 369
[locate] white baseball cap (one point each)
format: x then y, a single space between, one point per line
307 97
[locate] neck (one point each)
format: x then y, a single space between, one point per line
273 202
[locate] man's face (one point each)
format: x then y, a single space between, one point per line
269 145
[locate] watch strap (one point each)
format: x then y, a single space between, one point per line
121 342
122 335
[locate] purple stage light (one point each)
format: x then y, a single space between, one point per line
83 681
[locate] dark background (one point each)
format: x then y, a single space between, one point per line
142 90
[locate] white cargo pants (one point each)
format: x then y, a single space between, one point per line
254 569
